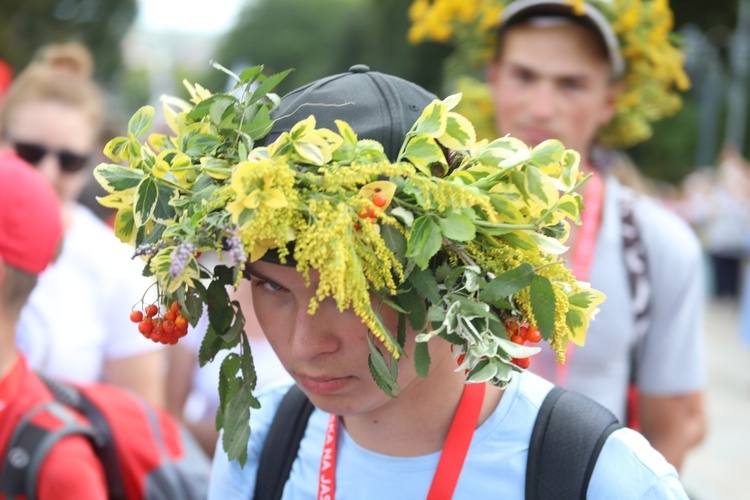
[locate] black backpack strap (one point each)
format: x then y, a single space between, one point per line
29 446
568 436
282 444
104 445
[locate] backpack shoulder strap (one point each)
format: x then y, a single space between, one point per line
29 445
104 443
282 444
568 436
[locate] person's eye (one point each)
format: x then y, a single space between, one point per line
523 76
267 285
571 84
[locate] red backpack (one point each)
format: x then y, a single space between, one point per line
145 452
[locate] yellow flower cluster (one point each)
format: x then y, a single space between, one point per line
653 76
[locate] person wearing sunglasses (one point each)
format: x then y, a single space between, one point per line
75 325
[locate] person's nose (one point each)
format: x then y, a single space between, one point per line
316 334
49 167
542 101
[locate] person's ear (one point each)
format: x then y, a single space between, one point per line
493 72
609 110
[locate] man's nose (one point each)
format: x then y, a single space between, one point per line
315 334
543 101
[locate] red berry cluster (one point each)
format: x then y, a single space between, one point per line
520 334
369 213
166 329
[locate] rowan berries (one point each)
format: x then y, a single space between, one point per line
151 310
533 335
521 362
136 316
145 327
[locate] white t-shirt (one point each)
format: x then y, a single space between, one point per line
669 359
78 316
495 465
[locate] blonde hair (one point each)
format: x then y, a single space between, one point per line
59 72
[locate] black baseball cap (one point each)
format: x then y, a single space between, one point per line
377 106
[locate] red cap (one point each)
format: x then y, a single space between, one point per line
30 216
6 76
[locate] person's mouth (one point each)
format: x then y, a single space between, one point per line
324 384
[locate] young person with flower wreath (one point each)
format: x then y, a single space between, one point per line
403 272
596 73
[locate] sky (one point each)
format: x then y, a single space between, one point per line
207 17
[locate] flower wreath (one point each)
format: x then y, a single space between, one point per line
464 246
653 64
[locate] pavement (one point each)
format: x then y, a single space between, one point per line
719 468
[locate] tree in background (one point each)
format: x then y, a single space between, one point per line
325 37
26 25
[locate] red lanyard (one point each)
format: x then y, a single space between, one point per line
583 252
451 459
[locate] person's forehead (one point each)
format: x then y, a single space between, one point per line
278 272
559 48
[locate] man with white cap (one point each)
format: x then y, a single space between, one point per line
580 72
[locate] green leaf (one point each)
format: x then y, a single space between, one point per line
426 284
580 299
395 242
432 122
457 227
249 74
309 152
237 423
202 144
520 240
422 151
269 84
260 125
116 177
482 372
459 133
425 240
145 201
163 211
141 121
508 283
543 305
117 149
547 154
422 359
535 184
247 366
221 105
413 303
380 371
508 209
124 225
210 346
220 311
238 325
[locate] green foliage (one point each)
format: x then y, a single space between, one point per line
326 37
27 25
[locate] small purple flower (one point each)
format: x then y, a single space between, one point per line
233 246
180 257
144 249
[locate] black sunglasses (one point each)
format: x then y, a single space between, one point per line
34 153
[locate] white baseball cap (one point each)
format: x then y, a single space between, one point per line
524 9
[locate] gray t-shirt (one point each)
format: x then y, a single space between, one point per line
670 356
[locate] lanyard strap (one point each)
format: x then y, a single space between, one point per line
583 252
451 460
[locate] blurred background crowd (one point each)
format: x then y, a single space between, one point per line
121 54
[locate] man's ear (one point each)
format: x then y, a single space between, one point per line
493 72
610 108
